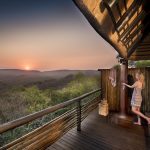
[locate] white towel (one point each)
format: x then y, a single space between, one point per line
112 76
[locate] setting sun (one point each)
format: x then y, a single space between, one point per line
27 68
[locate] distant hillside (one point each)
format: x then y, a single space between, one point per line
55 78
4 73
63 73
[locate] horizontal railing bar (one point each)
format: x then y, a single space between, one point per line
46 126
24 120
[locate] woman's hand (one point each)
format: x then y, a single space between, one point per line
123 83
134 85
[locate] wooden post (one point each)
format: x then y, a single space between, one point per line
148 126
123 79
101 85
79 115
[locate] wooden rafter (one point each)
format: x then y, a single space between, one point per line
139 18
118 8
129 13
139 58
134 46
125 4
110 3
110 13
126 40
144 50
144 46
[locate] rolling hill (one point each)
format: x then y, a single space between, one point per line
55 78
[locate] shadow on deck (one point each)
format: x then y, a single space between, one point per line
98 133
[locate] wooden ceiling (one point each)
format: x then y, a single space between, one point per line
125 24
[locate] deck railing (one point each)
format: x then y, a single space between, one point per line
48 133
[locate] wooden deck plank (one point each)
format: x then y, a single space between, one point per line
90 143
78 142
93 142
99 133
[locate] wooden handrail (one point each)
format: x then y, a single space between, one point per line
24 120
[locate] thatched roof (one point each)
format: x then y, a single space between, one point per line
125 24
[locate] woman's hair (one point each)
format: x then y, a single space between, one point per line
142 79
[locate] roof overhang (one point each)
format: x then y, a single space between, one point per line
124 24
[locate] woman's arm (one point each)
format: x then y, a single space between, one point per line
130 86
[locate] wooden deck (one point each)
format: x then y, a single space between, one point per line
98 133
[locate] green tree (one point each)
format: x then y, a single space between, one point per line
142 63
36 99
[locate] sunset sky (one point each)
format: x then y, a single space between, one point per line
49 35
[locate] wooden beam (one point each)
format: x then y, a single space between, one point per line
144 46
142 56
125 4
134 46
139 58
141 28
123 79
137 53
142 49
147 38
107 6
126 40
118 8
129 13
110 3
140 17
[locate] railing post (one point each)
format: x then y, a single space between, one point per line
79 115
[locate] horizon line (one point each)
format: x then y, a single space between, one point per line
48 70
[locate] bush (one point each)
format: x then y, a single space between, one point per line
35 99
75 88
142 64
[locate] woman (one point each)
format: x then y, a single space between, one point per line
137 97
